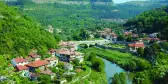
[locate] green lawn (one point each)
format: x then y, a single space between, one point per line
94 78
121 46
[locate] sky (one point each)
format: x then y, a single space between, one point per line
122 1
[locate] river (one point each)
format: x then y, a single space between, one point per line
111 69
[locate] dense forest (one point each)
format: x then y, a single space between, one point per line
73 17
20 33
150 22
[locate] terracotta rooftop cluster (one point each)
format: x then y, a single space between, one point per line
69 44
107 31
137 44
67 52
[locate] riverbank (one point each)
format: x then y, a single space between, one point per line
124 60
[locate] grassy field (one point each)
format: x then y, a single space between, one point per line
121 46
94 78
124 60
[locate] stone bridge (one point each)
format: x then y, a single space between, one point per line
88 43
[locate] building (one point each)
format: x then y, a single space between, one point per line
52 52
52 61
19 61
23 69
37 64
150 39
134 46
48 72
68 55
34 56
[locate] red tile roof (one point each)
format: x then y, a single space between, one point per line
127 33
20 60
37 63
20 67
136 45
34 55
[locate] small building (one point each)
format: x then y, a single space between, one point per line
37 64
150 39
126 33
48 72
19 61
52 61
34 56
52 52
63 54
23 69
134 46
68 55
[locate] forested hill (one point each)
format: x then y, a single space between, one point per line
150 22
70 16
19 33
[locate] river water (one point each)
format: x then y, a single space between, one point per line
112 68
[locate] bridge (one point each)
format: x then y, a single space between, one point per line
93 42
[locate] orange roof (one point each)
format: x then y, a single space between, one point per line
37 63
20 67
20 60
136 45
34 55
127 33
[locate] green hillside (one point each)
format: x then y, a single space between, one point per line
150 22
20 33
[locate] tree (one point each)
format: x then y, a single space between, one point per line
140 52
121 38
98 64
119 78
132 65
45 79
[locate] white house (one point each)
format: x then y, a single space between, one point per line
34 56
134 46
52 61
23 69
19 61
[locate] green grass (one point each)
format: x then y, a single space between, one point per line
94 78
121 46
124 60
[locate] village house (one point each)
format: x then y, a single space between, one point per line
68 55
52 61
69 44
52 52
23 69
37 64
134 46
150 39
48 72
19 61
34 56
126 33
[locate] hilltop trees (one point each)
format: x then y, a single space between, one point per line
149 22
119 78
19 33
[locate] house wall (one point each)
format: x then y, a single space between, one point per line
14 63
